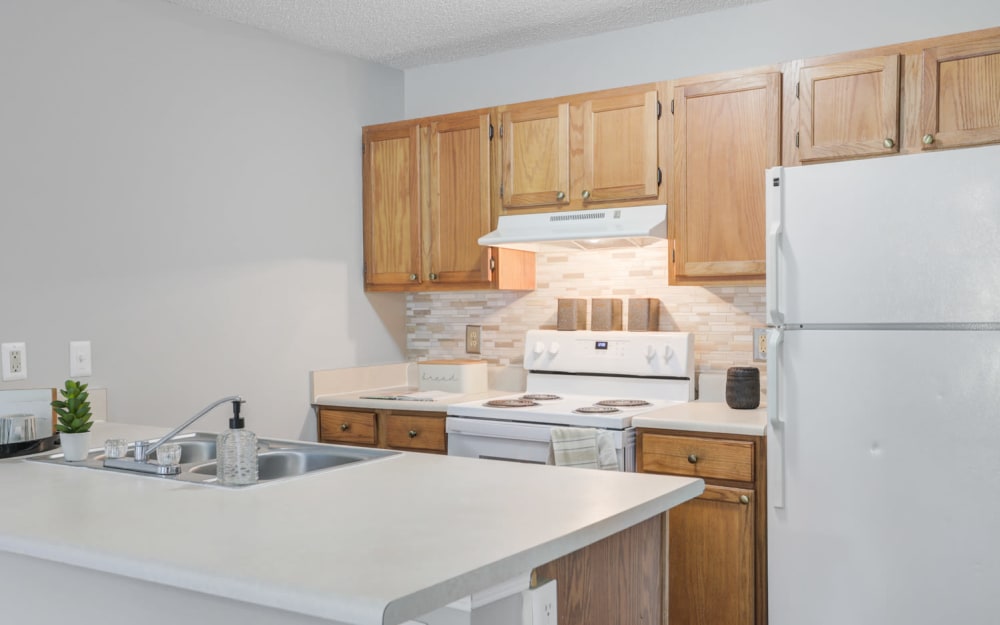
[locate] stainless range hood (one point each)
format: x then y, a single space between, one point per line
634 226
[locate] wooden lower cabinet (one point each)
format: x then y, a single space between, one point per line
717 542
408 430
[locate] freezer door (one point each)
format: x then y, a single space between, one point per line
891 443
899 239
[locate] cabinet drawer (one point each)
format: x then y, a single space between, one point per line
344 426
413 432
697 457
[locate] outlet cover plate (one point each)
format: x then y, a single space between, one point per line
760 344
13 361
473 339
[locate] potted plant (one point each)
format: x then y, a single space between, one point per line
74 421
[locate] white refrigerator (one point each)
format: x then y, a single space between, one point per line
883 301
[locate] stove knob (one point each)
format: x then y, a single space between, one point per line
668 353
539 348
554 349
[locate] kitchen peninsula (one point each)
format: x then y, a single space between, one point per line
376 543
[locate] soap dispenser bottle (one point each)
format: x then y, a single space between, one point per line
236 453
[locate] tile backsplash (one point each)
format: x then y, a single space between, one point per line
721 318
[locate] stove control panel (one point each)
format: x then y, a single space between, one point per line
660 354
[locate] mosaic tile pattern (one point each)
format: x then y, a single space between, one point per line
721 318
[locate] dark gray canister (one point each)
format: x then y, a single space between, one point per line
743 387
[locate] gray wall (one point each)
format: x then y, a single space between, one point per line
186 194
757 34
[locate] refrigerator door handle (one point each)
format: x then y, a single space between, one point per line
774 231
776 420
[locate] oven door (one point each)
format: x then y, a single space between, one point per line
520 442
498 440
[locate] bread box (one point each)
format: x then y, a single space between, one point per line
454 376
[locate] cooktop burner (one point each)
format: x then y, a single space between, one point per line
540 397
596 410
510 403
623 403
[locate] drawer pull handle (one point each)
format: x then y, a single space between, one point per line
412 433
744 499
693 459
344 426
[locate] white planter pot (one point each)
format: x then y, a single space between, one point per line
75 447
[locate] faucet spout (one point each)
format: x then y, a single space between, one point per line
143 451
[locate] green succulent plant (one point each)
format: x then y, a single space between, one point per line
73 409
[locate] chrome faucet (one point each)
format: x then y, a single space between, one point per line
144 448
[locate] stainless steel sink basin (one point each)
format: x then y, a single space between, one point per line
275 465
276 459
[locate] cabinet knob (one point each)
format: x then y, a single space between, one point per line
412 433
413 277
888 142
692 458
433 276
344 426
744 499
586 194
928 139
560 195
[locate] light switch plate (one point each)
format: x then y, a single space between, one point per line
80 364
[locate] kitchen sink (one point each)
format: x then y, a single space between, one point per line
276 459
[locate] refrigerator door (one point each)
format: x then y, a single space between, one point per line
909 239
891 444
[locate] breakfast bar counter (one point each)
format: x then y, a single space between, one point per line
374 543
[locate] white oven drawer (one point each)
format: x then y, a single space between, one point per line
519 442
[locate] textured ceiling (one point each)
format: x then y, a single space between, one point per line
410 33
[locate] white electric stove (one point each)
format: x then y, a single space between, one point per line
586 379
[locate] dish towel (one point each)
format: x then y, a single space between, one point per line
585 448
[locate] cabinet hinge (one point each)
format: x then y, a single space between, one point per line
796 91
673 255
493 264
501 191
362 148
659 176
659 109
491 132
501 131
796 138
671 107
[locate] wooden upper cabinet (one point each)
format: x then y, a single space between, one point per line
392 215
960 94
620 159
583 151
726 133
459 199
428 197
849 109
535 155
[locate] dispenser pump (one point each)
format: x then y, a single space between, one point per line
236 421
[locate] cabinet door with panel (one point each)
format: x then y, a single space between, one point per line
392 213
726 133
620 148
717 551
848 109
407 430
960 94
535 155
459 200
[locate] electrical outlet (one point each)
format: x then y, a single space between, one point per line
540 605
760 344
473 343
13 361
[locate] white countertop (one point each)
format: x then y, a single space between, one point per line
374 543
362 399
705 416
